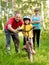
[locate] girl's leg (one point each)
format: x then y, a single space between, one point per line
32 48
38 38
34 32
24 42
31 40
25 39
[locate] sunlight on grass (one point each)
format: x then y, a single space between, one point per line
1 31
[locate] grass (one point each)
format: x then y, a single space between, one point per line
40 58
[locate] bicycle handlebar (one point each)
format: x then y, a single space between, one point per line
21 30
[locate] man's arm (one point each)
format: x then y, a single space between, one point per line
11 29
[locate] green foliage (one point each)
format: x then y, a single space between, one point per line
26 7
0 24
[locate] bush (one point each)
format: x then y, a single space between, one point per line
0 24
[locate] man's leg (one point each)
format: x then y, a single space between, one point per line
7 33
15 38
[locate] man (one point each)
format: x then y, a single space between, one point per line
11 30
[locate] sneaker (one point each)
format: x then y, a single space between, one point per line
17 50
8 50
33 51
24 47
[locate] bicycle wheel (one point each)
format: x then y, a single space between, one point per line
29 52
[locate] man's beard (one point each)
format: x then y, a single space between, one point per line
17 20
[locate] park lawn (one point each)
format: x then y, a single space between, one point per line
40 58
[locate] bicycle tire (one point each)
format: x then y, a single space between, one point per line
29 52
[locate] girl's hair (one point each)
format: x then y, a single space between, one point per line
25 20
36 9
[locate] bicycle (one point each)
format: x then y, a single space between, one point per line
28 45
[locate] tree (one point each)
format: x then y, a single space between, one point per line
26 7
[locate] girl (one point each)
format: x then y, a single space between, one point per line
28 36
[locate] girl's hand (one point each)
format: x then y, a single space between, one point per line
35 27
15 31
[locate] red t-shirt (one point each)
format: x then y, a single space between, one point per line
13 23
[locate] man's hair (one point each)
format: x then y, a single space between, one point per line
17 12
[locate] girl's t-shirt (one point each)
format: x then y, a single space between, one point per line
36 19
27 28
